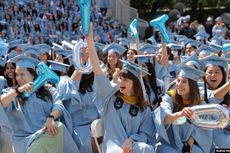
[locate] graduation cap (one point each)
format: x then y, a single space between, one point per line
123 41
3 48
183 41
152 40
205 50
193 60
99 46
134 68
193 43
63 52
201 35
144 58
15 43
190 72
215 61
149 48
137 71
114 47
57 66
43 48
216 41
12 54
174 46
2 62
31 51
178 37
24 61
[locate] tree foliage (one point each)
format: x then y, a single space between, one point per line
151 7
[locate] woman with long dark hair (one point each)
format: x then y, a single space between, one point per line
215 81
176 106
126 118
33 118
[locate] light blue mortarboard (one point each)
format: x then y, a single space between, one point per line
206 50
174 46
12 54
134 68
15 43
57 66
99 46
183 41
31 51
201 35
144 59
114 47
123 41
216 41
193 59
63 52
179 37
2 62
149 48
215 61
193 43
24 61
152 40
190 72
43 48
4 47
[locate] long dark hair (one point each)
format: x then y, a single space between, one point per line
136 87
194 96
152 80
10 82
42 93
227 96
86 83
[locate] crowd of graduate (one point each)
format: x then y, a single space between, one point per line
140 89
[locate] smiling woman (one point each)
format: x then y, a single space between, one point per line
33 118
128 125
215 80
176 105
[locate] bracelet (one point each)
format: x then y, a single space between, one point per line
51 116
17 91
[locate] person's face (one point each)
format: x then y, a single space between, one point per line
214 76
112 59
42 56
160 53
130 55
182 87
10 70
190 50
23 76
126 86
59 58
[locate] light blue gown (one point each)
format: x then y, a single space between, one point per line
172 137
121 122
28 120
221 137
82 110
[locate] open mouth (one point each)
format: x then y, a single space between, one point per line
122 88
213 80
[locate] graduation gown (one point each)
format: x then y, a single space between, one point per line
28 120
172 137
122 120
82 110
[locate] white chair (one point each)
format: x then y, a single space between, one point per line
97 132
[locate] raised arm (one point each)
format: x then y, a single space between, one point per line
92 53
164 58
222 91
